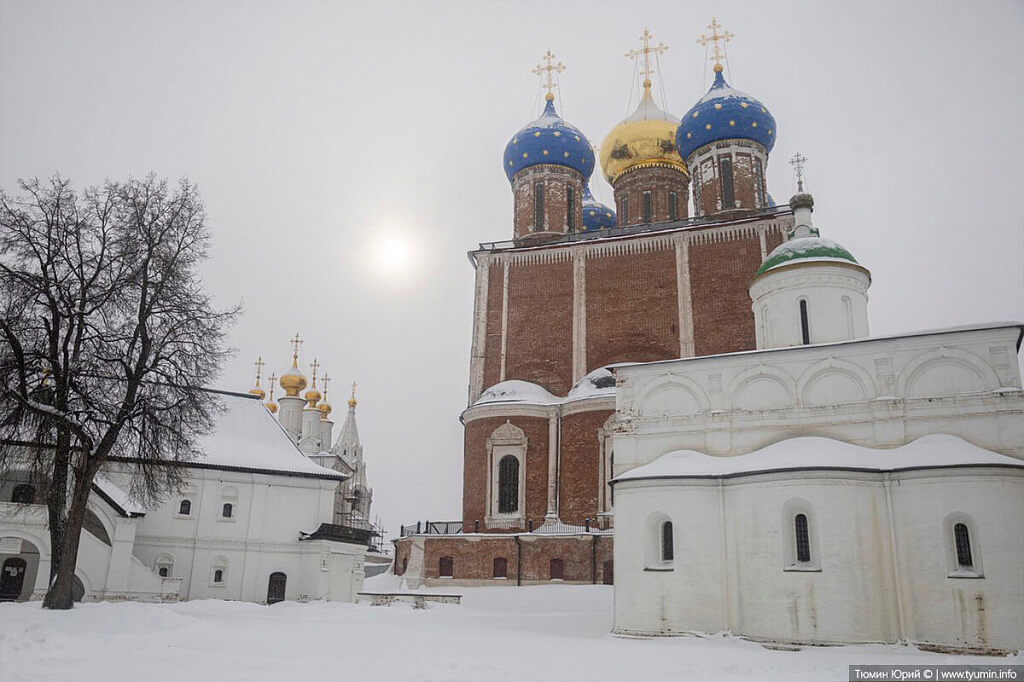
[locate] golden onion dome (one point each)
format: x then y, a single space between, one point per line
292 381
646 138
325 409
258 392
272 406
312 396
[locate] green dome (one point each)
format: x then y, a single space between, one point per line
805 248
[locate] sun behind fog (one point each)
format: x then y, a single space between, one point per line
392 255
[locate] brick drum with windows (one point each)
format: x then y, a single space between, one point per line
555 307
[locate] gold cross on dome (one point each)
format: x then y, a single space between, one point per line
326 380
352 400
259 369
797 162
315 365
549 72
273 380
646 37
726 36
296 342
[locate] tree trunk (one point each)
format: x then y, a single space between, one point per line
57 498
60 595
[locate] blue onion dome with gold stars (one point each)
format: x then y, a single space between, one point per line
549 140
596 216
725 114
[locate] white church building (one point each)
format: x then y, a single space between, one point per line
828 487
256 522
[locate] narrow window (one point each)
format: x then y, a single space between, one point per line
185 508
805 326
227 510
667 551
23 494
164 571
570 208
648 206
673 206
759 183
803 540
963 546
446 567
500 567
725 172
556 569
538 206
624 212
698 209
848 314
218 576
508 485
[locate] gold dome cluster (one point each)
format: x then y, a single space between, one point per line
645 138
293 381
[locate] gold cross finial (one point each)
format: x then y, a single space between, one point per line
646 37
549 72
296 342
326 380
273 379
315 365
352 400
797 162
717 53
259 369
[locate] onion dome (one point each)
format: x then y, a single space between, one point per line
725 114
293 380
645 138
258 392
806 245
325 408
549 140
596 216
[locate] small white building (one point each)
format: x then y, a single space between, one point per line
255 523
827 487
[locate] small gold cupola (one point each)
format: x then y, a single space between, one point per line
312 396
293 380
324 406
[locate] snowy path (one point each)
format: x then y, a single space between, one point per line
496 635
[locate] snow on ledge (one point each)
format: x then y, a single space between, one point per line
937 450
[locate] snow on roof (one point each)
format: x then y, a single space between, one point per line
937 450
598 383
517 391
116 496
247 437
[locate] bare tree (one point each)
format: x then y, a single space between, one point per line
106 338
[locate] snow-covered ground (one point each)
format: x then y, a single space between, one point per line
496 634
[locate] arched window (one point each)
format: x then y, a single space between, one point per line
508 485
624 211
962 538
23 494
759 184
446 567
803 539
570 207
667 549
805 325
185 507
647 206
538 206
165 565
673 206
218 575
556 569
725 175
227 510
500 567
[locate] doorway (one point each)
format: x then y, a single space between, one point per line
275 587
12 578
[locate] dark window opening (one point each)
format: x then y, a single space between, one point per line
446 567
624 211
538 206
218 576
500 567
728 193
963 546
647 206
508 485
673 206
557 569
759 189
23 494
698 209
185 508
227 510
667 550
803 540
570 208
805 325
164 572
276 587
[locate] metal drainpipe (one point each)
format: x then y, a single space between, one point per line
519 562
593 559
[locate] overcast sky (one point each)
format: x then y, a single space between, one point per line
329 138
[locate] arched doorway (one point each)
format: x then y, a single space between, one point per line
12 578
275 587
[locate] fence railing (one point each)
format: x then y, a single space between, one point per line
539 526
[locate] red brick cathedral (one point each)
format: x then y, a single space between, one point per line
581 287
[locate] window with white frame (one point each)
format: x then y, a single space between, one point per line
799 538
228 503
506 456
219 572
185 507
963 550
164 566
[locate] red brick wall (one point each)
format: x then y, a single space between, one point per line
632 308
719 274
660 181
492 343
539 342
578 471
706 172
474 475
